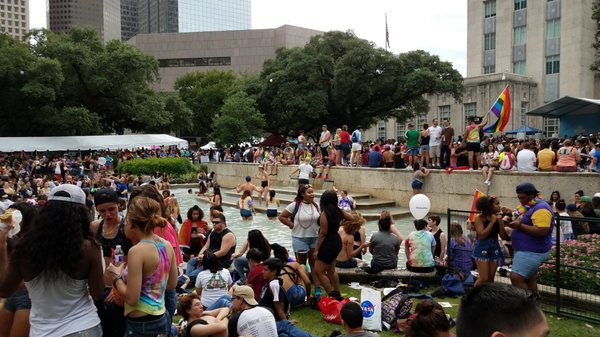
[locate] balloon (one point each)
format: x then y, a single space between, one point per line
101 160
419 206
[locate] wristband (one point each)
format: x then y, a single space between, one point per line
117 280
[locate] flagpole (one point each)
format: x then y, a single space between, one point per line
387 34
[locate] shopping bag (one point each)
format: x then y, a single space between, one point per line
330 308
370 303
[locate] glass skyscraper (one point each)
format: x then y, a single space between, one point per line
214 15
157 16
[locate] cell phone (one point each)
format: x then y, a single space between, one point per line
194 230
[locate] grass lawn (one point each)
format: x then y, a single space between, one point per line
310 320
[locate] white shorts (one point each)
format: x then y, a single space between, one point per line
356 147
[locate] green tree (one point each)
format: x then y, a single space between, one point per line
238 120
205 93
596 45
338 78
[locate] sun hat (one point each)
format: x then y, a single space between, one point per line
245 292
76 194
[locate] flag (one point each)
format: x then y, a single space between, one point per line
387 34
478 194
501 109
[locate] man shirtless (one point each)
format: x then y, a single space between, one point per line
248 186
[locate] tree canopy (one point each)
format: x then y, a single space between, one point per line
75 84
338 79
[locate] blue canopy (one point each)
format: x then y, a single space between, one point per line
524 129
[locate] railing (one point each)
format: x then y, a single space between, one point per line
569 282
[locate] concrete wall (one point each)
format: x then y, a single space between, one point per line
453 190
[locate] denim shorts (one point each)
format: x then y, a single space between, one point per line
91 332
487 249
424 148
155 328
527 264
303 244
412 151
352 263
417 185
271 213
245 213
18 301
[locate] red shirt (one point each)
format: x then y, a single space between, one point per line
256 280
345 137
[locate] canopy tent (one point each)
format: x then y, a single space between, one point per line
209 146
524 129
578 116
112 142
273 140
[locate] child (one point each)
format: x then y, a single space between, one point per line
272 205
246 206
419 177
566 228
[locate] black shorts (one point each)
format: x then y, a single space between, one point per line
471 146
264 183
18 301
303 181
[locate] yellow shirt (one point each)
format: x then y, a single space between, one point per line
545 159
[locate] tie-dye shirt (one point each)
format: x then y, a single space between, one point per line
152 296
419 243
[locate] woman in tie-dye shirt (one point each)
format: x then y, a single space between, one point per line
150 271
419 248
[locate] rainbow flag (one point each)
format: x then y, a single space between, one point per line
478 194
502 110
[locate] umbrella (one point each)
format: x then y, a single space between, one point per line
524 129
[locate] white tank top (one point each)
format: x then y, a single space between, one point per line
60 307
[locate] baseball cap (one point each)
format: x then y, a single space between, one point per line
105 196
597 195
526 188
75 194
572 207
245 292
586 198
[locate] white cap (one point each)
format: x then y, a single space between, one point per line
76 194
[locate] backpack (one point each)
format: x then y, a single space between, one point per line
297 207
507 160
354 137
395 305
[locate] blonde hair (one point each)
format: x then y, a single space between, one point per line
146 214
351 226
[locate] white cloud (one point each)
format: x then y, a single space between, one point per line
437 26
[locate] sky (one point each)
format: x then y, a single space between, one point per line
436 26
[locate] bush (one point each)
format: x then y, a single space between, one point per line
169 166
189 177
583 252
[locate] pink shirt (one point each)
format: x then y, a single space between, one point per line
168 233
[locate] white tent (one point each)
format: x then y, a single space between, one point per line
112 142
209 146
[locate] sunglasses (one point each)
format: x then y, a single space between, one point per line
216 222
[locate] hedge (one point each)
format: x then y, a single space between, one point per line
169 166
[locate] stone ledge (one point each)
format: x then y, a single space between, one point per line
347 275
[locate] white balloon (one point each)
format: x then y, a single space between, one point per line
101 160
419 206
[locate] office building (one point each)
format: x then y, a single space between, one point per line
541 48
158 16
14 17
241 51
102 15
214 15
129 19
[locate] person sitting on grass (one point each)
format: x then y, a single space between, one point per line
296 282
500 310
201 322
352 321
429 320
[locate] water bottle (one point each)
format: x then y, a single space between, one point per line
119 256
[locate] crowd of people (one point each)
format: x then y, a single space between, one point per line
104 254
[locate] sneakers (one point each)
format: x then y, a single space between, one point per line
409 167
487 182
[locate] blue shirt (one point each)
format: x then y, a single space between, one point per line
375 158
597 156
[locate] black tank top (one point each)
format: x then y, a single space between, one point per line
215 245
495 231
109 244
438 243
425 140
356 236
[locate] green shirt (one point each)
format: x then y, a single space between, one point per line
412 138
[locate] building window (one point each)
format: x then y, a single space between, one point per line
520 4
195 62
421 119
524 108
520 36
519 68
489 69
490 8
551 127
552 65
552 29
400 130
470 110
444 112
381 130
489 41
